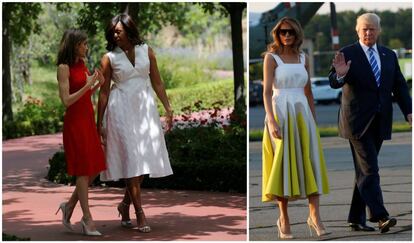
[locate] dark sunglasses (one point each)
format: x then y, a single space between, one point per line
285 31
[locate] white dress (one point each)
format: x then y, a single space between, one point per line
135 143
294 166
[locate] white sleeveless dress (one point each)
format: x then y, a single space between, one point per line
294 166
135 143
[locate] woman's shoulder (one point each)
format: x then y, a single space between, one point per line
143 46
270 55
111 55
116 50
302 53
304 57
63 68
271 59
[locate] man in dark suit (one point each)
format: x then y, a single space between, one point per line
369 75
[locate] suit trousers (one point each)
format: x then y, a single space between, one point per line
367 190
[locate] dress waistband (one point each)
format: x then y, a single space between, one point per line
131 85
288 91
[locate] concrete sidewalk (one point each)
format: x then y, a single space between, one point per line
396 183
30 203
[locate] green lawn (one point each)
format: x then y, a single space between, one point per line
208 93
330 131
45 88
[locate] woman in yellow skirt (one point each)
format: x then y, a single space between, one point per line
293 161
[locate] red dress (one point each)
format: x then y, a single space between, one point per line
83 151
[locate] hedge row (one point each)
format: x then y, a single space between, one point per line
202 158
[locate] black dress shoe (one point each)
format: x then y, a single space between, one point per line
360 227
386 223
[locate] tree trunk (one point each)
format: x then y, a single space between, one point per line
236 12
7 88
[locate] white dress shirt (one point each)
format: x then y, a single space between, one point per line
376 53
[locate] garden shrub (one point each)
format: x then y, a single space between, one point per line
35 118
182 73
205 158
7 237
57 170
211 157
209 93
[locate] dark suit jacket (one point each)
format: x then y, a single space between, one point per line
362 99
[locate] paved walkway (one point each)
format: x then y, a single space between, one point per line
396 182
30 203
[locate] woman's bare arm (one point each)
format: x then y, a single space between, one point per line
63 81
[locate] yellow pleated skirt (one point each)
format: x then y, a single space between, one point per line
294 166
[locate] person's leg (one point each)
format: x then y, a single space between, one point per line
357 211
126 199
134 190
73 200
82 184
123 207
314 213
283 215
368 180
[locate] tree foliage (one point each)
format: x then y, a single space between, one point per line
149 17
19 21
396 30
235 12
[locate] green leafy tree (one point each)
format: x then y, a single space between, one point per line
19 21
54 19
394 26
395 43
203 28
149 17
235 11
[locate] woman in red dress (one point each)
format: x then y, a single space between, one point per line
83 151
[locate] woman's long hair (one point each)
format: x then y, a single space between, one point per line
129 26
276 46
68 44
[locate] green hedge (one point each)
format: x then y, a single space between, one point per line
35 118
202 158
7 237
205 158
210 93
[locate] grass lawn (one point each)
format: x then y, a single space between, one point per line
330 131
45 88
208 93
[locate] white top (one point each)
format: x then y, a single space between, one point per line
290 75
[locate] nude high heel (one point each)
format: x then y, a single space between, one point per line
88 232
280 234
312 225
64 208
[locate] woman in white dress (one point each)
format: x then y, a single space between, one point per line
128 119
293 162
